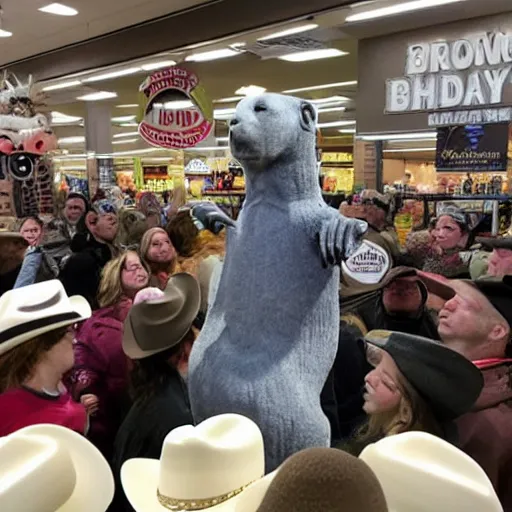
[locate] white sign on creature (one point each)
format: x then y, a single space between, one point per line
461 74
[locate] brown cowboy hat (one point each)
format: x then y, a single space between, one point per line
157 325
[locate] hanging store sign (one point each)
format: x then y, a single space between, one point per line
176 124
456 78
472 148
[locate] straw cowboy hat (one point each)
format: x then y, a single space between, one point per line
422 473
216 466
49 468
28 312
156 325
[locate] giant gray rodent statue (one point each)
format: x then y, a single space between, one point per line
271 333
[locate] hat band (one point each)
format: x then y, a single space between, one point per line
33 325
174 504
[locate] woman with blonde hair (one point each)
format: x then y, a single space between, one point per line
158 252
100 375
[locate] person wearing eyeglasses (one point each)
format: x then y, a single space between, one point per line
99 378
93 247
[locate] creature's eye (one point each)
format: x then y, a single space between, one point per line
260 108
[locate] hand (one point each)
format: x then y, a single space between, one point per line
91 403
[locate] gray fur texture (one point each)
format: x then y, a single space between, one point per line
271 333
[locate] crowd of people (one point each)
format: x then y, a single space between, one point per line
100 307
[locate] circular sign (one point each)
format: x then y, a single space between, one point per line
176 124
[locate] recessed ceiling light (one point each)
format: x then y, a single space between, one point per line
332 109
213 55
335 123
397 9
175 105
233 99
126 134
5 33
401 136
112 74
224 113
59 118
408 150
71 140
96 96
62 85
251 90
290 31
129 124
125 141
123 119
320 87
325 53
59 10
331 99
128 105
347 130
158 65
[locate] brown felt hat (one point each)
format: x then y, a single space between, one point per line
324 480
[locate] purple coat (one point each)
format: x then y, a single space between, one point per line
102 369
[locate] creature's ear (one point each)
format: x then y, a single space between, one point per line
91 218
308 116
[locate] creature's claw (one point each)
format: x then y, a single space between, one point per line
211 216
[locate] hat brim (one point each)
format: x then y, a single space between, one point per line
437 285
79 305
140 477
14 236
94 490
495 243
189 286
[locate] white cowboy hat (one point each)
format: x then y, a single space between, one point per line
28 312
216 466
49 468
421 472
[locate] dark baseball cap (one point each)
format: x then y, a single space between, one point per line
491 243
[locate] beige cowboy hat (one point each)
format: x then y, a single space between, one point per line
216 466
30 311
14 236
49 468
424 473
156 325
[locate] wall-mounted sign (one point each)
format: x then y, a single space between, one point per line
460 75
476 148
176 124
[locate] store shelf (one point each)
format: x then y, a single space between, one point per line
224 193
451 197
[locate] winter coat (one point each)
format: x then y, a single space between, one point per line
485 433
102 369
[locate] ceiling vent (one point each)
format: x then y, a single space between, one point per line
278 47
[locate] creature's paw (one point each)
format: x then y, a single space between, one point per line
339 237
211 216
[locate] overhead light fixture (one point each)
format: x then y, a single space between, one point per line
224 113
251 90
238 45
290 31
158 65
208 148
123 119
233 99
320 87
72 168
175 105
125 141
126 134
132 152
401 136
112 74
59 10
334 124
212 55
408 150
129 124
222 139
62 85
59 118
397 9
128 105
331 109
71 140
331 99
97 96
325 53
347 130
5 33
69 157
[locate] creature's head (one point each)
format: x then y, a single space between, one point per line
272 127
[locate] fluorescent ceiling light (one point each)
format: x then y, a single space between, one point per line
331 109
331 99
335 123
224 113
290 31
408 150
175 105
325 53
158 158
397 9
69 157
5 33
158 65
126 134
222 139
251 90
59 10
59 118
71 140
96 96
402 136
213 55
125 141
320 87
208 148
128 105
112 74
62 85
123 119
233 99
72 168
237 45
347 130
132 152
129 124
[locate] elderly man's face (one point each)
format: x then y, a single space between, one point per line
74 209
500 263
402 296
